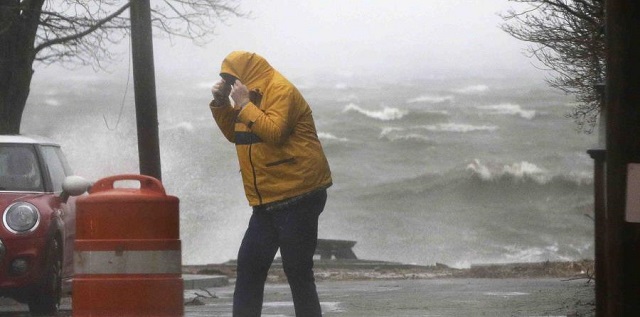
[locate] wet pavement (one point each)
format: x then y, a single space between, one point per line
396 298
430 297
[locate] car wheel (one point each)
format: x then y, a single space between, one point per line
45 299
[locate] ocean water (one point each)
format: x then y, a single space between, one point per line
457 171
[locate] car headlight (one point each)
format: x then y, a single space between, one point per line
21 217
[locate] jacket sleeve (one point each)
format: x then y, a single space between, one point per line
225 118
275 123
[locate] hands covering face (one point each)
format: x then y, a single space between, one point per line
238 92
221 93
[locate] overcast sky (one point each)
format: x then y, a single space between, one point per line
406 38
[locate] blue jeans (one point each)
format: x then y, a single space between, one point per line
293 229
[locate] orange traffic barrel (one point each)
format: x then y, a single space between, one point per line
127 257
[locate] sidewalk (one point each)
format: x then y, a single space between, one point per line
423 297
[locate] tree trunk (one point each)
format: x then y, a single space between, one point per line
15 80
18 30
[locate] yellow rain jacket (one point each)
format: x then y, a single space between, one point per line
276 140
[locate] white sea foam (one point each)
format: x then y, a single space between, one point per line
389 130
401 134
329 136
509 109
417 132
385 114
473 89
459 127
410 136
519 171
431 99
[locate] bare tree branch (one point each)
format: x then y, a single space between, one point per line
84 32
567 38
98 24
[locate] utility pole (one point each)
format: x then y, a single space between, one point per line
145 89
622 237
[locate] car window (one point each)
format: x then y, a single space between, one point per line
57 165
19 168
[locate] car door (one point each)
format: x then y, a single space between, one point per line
58 169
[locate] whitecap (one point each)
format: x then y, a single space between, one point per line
473 89
459 127
385 114
509 109
480 169
519 171
522 169
329 136
388 130
401 134
431 99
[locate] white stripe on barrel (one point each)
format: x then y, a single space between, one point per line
128 262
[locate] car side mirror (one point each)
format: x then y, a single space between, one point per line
74 186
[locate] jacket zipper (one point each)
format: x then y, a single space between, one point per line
255 179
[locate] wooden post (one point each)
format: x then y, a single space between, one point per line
145 89
599 210
623 147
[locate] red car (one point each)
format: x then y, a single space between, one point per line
38 221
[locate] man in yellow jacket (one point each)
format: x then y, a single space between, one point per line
285 175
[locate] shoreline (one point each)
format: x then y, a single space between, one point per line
345 270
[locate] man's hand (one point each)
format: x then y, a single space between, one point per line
239 94
221 93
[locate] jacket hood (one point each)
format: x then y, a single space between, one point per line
250 68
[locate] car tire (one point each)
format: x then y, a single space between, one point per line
45 299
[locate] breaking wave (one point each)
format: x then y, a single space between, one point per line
385 114
420 132
522 172
402 134
509 109
459 127
329 136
